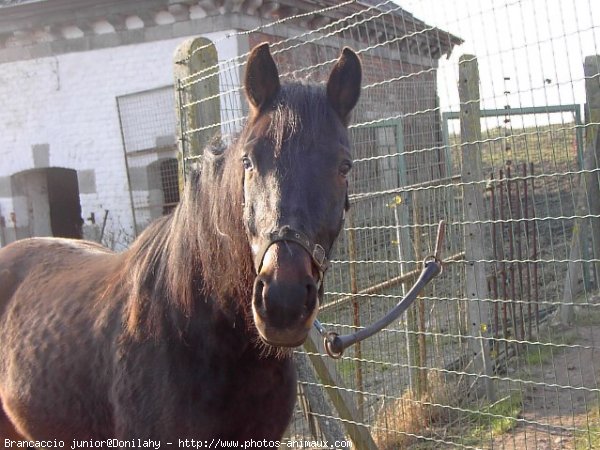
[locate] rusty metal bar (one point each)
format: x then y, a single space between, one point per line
511 254
358 375
534 255
527 239
406 278
494 286
503 264
518 239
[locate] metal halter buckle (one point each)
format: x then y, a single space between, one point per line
320 257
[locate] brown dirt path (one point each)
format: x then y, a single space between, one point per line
556 416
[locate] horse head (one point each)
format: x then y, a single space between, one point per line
295 155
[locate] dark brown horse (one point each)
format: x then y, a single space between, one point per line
187 334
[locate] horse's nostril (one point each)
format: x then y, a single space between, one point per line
259 286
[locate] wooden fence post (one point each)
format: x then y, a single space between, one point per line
573 286
317 403
591 69
588 197
420 199
196 78
474 212
325 369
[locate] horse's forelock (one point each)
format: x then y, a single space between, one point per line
299 109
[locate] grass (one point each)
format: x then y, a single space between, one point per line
493 420
587 316
538 354
591 437
346 367
551 147
409 422
477 428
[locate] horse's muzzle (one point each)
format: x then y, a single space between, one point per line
285 296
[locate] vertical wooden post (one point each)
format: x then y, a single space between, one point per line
420 355
196 80
591 70
474 212
572 287
317 403
325 369
588 197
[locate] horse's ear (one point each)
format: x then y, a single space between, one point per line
343 86
262 79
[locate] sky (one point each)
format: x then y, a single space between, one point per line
539 45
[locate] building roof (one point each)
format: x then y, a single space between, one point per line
4 3
27 22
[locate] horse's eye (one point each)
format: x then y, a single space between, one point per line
247 163
345 168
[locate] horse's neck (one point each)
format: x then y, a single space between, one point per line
215 322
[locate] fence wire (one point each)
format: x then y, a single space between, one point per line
150 153
510 364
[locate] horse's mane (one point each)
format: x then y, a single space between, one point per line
200 251
197 252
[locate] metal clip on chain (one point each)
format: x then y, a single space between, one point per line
432 266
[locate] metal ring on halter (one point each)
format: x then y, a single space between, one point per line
328 340
434 259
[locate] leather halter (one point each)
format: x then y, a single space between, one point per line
287 233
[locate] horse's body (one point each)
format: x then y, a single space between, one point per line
181 336
59 382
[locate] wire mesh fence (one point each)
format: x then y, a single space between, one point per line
150 153
501 143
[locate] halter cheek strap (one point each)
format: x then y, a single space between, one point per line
286 233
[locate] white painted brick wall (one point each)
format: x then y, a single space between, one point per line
69 102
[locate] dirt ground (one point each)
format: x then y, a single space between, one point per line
557 417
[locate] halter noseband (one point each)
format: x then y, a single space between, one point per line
287 233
